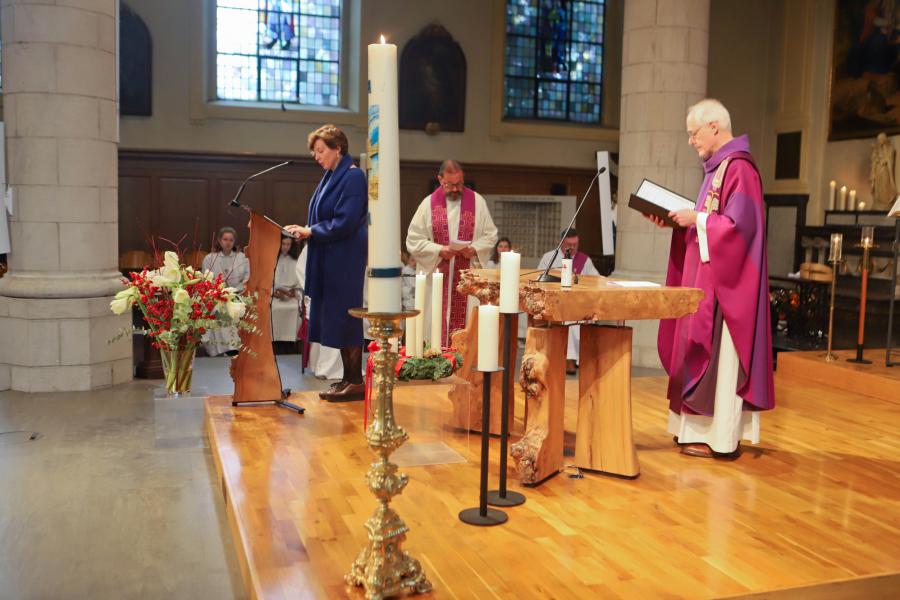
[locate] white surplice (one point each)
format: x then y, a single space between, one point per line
325 362
420 244
286 310
730 423
236 269
572 347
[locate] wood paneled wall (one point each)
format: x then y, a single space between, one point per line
183 197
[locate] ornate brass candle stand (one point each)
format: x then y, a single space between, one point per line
835 267
382 567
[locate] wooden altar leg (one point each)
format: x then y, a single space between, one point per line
604 440
466 397
539 454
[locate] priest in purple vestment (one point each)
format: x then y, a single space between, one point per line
719 359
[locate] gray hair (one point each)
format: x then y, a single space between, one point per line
710 110
450 166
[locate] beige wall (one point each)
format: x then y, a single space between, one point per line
473 24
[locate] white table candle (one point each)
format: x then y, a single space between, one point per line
851 201
565 272
421 282
383 154
832 192
437 310
842 205
488 336
510 263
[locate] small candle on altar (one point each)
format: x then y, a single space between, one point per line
510 263
843 198
868 236
834 253
416 347
488 337
565 273
437 309
383 162
832 192
851 200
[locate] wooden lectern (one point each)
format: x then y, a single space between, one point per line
255 373
603 441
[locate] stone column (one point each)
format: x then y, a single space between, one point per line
60 97
663 72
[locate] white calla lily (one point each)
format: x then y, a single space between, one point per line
235 310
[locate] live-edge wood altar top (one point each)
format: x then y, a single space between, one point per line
593 298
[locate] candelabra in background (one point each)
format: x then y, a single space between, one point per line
834 258
866 242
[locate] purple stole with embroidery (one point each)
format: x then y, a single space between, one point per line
441 231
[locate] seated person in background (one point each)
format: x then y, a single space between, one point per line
502 245
285 296
409 280
227 261
581 265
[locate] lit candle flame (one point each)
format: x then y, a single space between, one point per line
382 38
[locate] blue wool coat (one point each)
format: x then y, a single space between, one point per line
336 255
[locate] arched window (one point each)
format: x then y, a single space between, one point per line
286 51
553 68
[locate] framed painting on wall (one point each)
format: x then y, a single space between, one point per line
865 70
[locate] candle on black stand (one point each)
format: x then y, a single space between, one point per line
502 496
481 515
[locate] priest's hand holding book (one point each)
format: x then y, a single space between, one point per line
685 217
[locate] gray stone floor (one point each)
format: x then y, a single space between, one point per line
116 497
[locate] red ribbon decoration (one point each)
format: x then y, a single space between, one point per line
370 371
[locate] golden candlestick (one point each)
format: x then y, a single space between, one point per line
382 567
836 265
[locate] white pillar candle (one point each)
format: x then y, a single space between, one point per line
861 205
851 201
832 192
837 240
421 282
510 263
565 272
383 154
411 335
488 336
842 205
437 309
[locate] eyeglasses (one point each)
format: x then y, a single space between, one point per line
692 135
453 186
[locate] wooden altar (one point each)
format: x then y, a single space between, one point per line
604 431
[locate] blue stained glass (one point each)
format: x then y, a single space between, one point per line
279 51
554 59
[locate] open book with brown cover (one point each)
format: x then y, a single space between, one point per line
653 199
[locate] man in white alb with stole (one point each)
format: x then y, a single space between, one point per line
452 230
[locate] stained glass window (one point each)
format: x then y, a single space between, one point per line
553 67
279 51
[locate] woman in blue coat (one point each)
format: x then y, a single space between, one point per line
336 257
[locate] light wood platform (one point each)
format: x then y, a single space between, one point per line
876 380
813 511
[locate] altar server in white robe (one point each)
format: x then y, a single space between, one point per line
286 296
325 362
452 230
581 265
235 268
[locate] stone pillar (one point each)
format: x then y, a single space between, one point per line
663 72
60 96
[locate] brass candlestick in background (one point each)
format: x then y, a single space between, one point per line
866 242
834 258
382 568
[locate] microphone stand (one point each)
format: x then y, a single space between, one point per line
546 276
234 201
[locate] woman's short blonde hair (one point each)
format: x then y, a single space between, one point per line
331 136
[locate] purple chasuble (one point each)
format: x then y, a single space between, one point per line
578 262
735 282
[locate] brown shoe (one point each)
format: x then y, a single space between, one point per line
570 366
699 450
351 391
334 387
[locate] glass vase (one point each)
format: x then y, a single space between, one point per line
178 367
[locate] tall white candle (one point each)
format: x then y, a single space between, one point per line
510 263
832 192
421 281
488 336
565 272
410 335
383 154
843 198
437 309
851 201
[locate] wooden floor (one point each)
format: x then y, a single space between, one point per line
876 380
812 512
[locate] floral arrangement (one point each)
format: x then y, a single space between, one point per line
180 304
